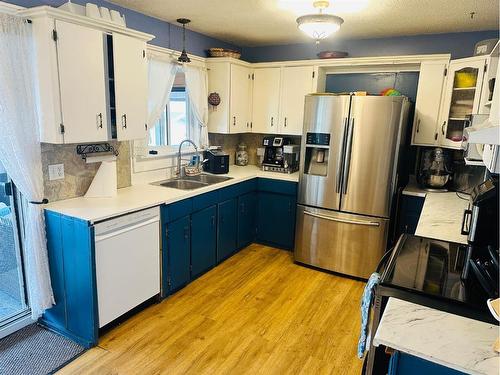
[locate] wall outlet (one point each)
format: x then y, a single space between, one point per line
56 172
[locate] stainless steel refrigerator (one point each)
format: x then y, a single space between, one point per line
348 175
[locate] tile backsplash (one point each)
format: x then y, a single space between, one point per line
78 175
229 143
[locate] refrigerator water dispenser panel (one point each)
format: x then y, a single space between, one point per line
317 150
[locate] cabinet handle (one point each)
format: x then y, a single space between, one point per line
234 120
285 122
99 119
213 221
272 121
124 121
418 125
186 233
442 127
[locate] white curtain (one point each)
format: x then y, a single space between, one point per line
20 150
197 89
161 79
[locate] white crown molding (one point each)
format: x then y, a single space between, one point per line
9 8
100 24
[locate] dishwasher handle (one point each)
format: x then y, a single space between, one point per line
125 229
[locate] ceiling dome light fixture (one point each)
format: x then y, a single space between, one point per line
319 26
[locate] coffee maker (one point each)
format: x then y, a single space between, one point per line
280 155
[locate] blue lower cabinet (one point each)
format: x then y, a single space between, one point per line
409 213
178 251
405 364
71 251
203 240
247 212
276 219
226 229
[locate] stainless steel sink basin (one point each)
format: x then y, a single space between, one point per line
208 178
192 182
183 184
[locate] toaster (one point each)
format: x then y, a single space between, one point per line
217 161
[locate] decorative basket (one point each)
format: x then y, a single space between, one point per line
221 52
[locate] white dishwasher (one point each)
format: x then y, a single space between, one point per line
127 252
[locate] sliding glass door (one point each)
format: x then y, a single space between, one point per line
13 303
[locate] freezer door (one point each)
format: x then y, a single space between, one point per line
371 155
339 242
325 130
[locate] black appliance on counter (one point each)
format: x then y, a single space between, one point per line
277 157
217 161
431 273
480 222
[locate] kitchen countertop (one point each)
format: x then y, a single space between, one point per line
441 217
143 196
450 340
413 188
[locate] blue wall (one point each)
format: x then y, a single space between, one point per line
374 83
167 35
458 44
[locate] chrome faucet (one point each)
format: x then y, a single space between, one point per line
181 171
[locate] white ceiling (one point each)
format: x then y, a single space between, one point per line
267 22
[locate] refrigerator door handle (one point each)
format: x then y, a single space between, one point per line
347 158
338 177
345 221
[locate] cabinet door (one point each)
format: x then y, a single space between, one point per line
276 220
246 219
297 82
178 249
227 227
130 83
463 94
266 100
429 97
240 99
80 55
203 240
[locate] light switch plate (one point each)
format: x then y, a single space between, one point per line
56 172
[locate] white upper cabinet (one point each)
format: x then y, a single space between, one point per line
82 83
266 100
429 98
233 82
462 97
297 82
240 99
130 87
85 85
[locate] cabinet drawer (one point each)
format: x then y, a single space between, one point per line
174 211
205 200
277 186
236 190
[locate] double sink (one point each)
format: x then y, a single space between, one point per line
192 182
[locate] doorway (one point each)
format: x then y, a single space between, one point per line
13 301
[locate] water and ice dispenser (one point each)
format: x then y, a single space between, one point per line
317 153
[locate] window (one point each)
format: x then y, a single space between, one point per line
173 125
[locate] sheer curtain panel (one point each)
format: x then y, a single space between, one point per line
197 89
161 79
20 150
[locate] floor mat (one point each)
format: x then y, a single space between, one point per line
34 350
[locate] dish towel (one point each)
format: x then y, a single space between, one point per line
366 302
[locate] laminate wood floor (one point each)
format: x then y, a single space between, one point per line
256 313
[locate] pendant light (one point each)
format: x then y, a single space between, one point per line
183 58
319 26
